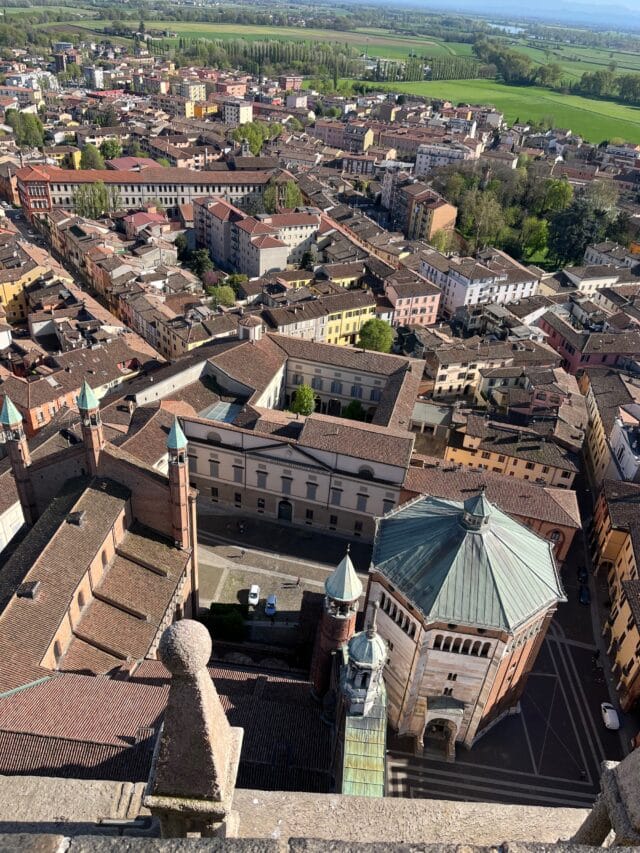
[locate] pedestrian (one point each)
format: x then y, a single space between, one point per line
298 582
242 553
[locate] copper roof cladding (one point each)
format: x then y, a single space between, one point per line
496 575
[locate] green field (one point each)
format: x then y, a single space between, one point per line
595 120
375 42
71 10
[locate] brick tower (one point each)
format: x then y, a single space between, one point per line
20 458
92 435
179 485
337 623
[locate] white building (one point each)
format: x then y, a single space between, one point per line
433 155
492 276
236 112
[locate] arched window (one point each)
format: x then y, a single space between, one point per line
456 645
412 630
465 647
437 643
446 646
104 559
393 611
485 650
383 598
57 651
81 600
365 472
214 438
476 648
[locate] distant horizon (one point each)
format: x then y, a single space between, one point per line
573 13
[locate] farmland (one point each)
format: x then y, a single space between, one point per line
594 119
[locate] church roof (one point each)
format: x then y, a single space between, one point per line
467 563
344 584
86 398
9 415
176 439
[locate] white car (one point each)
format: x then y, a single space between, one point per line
610 716
254 594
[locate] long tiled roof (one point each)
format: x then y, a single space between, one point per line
520 498
497 577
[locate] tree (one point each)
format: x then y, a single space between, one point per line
200 262
110 149
534 235
376 335
304 400
354 411
309 259
96 200
235 280
443 241
573 229
162 161
91 158
133 149
602 195
481 217
558 195
270 197
182 246
222 295
292 195
27 129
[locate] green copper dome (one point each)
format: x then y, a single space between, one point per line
467 563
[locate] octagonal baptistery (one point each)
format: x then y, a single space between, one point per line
466 595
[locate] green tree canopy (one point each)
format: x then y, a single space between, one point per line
376 335
534 235
91 158
573 229
96 200
110 149
200 262
304 400
354 411
27 129
482 218
222 295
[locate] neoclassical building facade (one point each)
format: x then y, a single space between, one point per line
466 595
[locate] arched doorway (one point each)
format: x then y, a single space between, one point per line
285 511
440 738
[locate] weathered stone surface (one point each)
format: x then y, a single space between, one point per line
92 844
32 843
275 814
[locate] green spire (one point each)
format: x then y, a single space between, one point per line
9 416
344 584
87 400
177 440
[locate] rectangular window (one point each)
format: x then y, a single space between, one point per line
448 691
336 496
375 395
316 383
529 466
333 522
361 503
286 485
453 676
336 387
309 516
387 505
260 504
237 474
357 528
237 498
261 477
214 468
214 493
486 455
356 391
566 474
312 489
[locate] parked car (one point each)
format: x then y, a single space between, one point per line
610 716
254 594
583 574
584 596
271 605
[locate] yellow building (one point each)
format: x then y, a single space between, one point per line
204 108
17 269
65 156
343 326
514 452
616 553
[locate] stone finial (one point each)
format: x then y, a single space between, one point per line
617 806
194 771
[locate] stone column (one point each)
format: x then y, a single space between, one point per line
195 766
617 806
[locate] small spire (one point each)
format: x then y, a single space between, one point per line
372 628
9 416
87 400
176 440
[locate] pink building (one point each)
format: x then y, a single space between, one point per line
415 300
580 348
